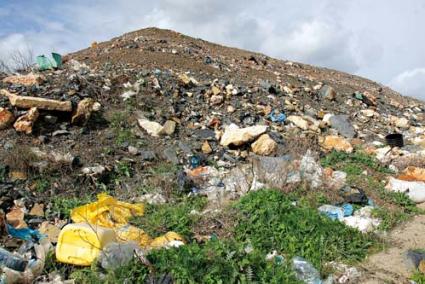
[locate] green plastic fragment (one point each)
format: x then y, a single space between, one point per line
45 63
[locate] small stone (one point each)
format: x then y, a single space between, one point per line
148 155
216 100
169 127
26 122
133 150
6 118
51 231
35 102
25 80
230 109
342 124
152 128
328 92
400 122
188 81
84 111
305 122
15 217
206 148
233 135
337 143
264 146
50 119
171 156
37 210
215 90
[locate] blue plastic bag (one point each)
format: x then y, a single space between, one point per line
26 234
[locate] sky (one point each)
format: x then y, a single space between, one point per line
383 40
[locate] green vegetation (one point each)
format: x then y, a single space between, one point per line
353 163
163 168
395 208
418 277
270 222
267 220
159 219
119 122
63 205
42 185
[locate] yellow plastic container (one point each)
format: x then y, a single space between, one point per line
81 243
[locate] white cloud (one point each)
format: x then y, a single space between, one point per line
410 83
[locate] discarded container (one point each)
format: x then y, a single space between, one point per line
305 271
81 243
394 140
7 259
35 264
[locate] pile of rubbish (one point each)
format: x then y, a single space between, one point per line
100 232
224 122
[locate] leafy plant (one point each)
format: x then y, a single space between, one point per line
159 219
63 205
270 222
353 162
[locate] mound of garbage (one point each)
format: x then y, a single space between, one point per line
224 121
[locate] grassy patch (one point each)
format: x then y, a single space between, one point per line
353 163
119 122
64 205
270 222
164 168
266 221
159 219
418 277
42 185
214 262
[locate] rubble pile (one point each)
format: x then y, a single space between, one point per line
229 120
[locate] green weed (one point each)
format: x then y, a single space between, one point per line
64 205
270 222
159 219
353 163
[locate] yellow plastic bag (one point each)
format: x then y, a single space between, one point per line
111 213
107 212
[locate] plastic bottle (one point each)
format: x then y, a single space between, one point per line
9 260
305 271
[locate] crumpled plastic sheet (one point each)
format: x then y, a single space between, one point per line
108 212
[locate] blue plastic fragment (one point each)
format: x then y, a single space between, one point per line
195 162
348 209
280 117
26 234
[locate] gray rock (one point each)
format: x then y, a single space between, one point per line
148 155
185 148
328 92
342 124
171 155
204 134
